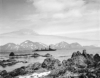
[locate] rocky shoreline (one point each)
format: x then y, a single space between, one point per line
80 65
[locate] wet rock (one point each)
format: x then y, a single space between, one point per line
51 63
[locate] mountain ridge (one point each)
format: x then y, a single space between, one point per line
32 46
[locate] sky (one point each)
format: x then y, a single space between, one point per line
69 18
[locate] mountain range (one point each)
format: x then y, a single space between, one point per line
33 46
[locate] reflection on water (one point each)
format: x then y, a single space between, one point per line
65 54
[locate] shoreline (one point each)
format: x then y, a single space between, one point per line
79 64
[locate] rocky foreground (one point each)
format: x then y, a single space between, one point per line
80 65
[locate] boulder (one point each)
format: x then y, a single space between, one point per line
96 58
89 57
5 74
57 72
51 63
68 62
80 61
17 72
75 54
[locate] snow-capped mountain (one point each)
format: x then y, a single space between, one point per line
37 46
65 45
24 46
29 45
9 47
62 45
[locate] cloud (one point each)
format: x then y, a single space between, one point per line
63 16
56 5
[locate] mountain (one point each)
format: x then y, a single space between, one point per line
62 45
75 45
28 46
65 45
9 47
24 46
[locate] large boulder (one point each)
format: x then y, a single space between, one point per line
5 74
80 61
68 62
75 54
58 72
96 58
17 72
12 54
33 67
89 57
51 63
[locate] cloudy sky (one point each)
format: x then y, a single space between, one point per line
70 18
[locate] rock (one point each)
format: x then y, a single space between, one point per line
8 62
36 66
82 76
89 57
68 62
57 72
4 74
80 61
33 67
51 63
47 55
17 72
12 54
35 55
76 54
96 58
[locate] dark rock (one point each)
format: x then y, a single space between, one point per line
4 74
80 61
96 58
17 72
75 54
36 66
68 62
35 55
51 63
58 72
47 55
82 76
91 75
11 54
89 57
8 62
